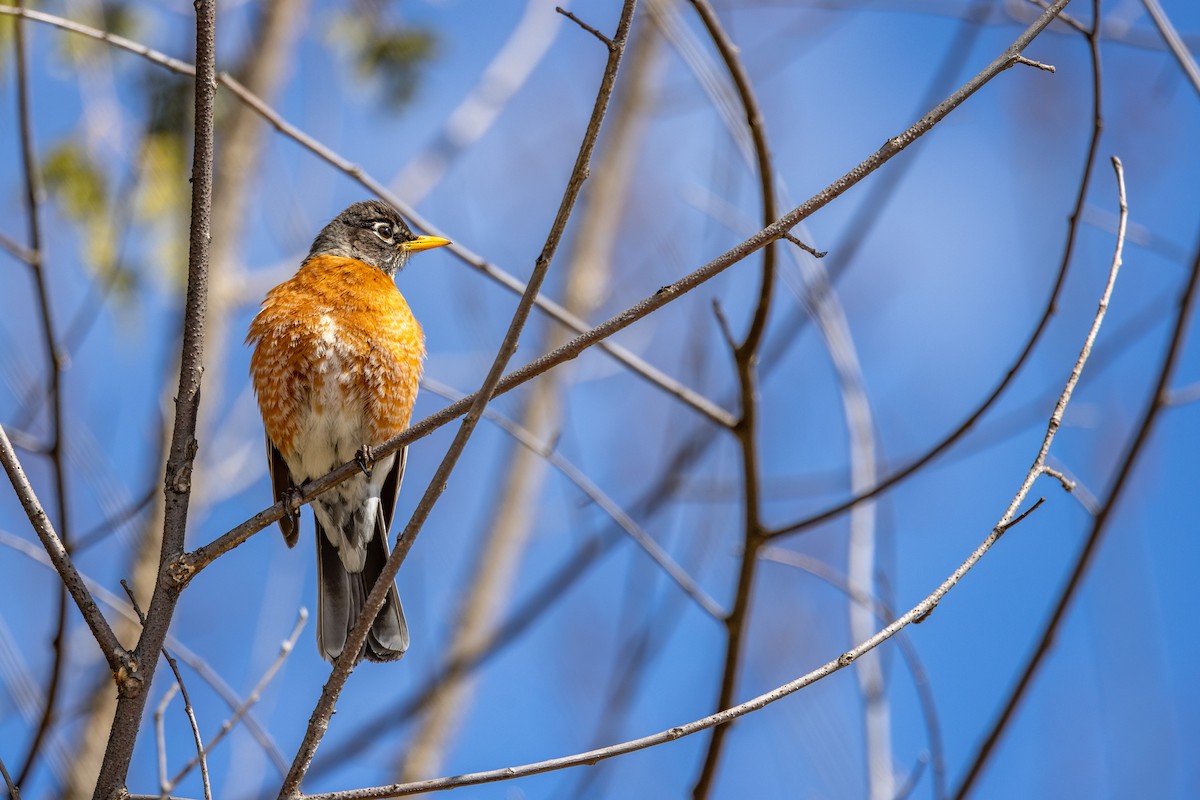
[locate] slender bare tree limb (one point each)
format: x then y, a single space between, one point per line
119 661
1158 399
188 709
623 520
908 651
745 357
543 598
319 721
56 449
1178 49
13 792
285 650
183 446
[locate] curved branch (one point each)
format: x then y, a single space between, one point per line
1159 399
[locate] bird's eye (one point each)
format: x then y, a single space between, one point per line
384 230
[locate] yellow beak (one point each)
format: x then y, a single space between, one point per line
424 243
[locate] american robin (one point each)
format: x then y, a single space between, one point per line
337 357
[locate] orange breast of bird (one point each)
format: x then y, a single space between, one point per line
338 333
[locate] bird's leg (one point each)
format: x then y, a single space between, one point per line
292 496
365 459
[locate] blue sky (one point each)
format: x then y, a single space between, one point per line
946 283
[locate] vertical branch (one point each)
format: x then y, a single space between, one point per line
13 792
182 451
319 721
54 368
746 429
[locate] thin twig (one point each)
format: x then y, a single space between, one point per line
808 248
579 478
1067 484
323 711
607 42
34 193
1035 64
188 709
745 358
119 661
285 649
908 651
183 446
1178 49
13 792
160 735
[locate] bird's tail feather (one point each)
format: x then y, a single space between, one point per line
341 596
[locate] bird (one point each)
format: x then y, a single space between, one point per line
337 357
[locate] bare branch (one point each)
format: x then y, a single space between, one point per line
13 792
1174 43
188 709
1156 402
34 192
119 661
285 650
607 42
745 357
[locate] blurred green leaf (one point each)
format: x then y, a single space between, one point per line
80 189
392 54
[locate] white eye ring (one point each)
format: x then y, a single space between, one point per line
384 230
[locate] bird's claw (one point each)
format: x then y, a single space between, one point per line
365 459
292 497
